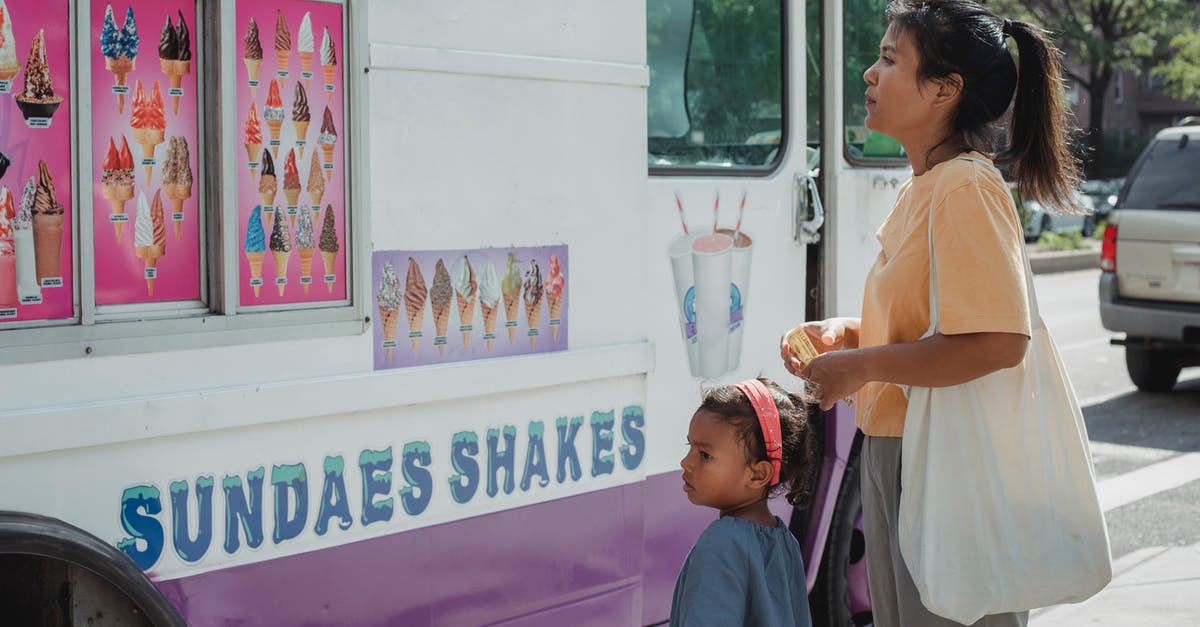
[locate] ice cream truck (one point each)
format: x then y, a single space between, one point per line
356 312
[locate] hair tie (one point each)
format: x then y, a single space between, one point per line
1007 27
768 421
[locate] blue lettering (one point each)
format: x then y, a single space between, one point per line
237 510
334 501
535 457
464 446
497 460
144 527
567 455
377 479
602 441
633 419
287 479
416 460
190 550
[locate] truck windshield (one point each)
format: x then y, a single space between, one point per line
1166 177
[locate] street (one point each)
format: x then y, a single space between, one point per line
1146 449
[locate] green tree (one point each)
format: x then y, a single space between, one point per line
1099 38
1181 72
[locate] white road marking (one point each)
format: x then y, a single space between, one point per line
1148 481
1129 452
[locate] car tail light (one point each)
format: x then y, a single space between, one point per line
1108 250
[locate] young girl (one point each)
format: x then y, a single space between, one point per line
944 79
746 442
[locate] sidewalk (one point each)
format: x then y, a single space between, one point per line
1150 586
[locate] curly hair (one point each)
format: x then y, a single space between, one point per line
799 441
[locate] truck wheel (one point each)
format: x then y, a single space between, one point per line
1151 370
840 597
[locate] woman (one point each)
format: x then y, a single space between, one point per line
943 81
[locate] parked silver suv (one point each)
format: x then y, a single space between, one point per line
1150 287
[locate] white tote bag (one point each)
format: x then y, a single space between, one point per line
998 505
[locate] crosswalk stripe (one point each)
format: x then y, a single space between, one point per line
1148 481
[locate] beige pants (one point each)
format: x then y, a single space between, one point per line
894 599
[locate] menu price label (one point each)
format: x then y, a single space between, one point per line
36 299
38 122
175 91
52 281
120 89
330 278
118 217
151 273
389 344
8 313
177 217
256 281
5 87
305 280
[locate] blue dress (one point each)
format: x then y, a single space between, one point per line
742 573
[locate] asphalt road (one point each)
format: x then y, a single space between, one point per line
1143 444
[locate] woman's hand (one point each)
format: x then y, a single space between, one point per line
826 335
834 376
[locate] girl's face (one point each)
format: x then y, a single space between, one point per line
715 471
898 104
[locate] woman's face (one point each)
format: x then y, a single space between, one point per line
898 104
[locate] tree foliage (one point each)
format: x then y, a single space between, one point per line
1181 72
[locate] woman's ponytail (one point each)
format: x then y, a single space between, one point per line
1039 154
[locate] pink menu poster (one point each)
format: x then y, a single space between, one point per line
291 166
144 128
35 144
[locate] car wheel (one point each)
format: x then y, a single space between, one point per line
1151 370
840 597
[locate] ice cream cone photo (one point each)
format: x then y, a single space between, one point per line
328 258
389 318
490 314
306 59
255 246
388 301
329 73
414 302
533 314
255 260
177 194
466 291
328 62
554 285
117 197
281 250
253 67
510 288
120 69
306 244
306 259
555 307
120 49
252 56
283 46
533 290
116 182
150 239
489 302
440 295
281 262
149 123
327 243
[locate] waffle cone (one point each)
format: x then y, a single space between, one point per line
117 196
328 150
329 70
510 314
306 257
329 259
255 260
274 126
149 138
466 313
293 197
268 197
149 256
306 65
175 71
120 68
389 318
252 69
281 261
301 132
533 314
441 317
252 152
555 306
489 320
281 63
177 207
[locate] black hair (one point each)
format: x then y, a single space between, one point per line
963 37
799 441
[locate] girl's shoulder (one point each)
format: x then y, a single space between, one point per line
731 532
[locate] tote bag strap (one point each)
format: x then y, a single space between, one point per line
1035 316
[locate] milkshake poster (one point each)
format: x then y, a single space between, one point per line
291 125
36 208
442 306
144 151
711 270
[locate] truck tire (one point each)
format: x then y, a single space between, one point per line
840 597
1151 370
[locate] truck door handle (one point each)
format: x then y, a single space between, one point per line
808 215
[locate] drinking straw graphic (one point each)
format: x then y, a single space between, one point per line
682 219
716 203
741 209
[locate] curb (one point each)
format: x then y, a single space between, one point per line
1064 261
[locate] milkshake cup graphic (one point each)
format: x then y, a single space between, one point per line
739 291
711 268
680 251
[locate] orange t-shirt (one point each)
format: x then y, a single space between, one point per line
977 240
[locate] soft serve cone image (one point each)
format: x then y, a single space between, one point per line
150 236
252 56
328 243
116 182
177 178
306 245
510 287
175 56
9 66
273 113
291 186
305 47
268 185
388 300
489 302
466 290
281 250
534 290
326 140
255 246
4 162
120 48
300 117
8 252
47 226
149 123
38 99
414 302
554 294
253 131
440 295
28 288
316 183
328 62
283 46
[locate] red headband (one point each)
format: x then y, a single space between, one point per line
768 420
